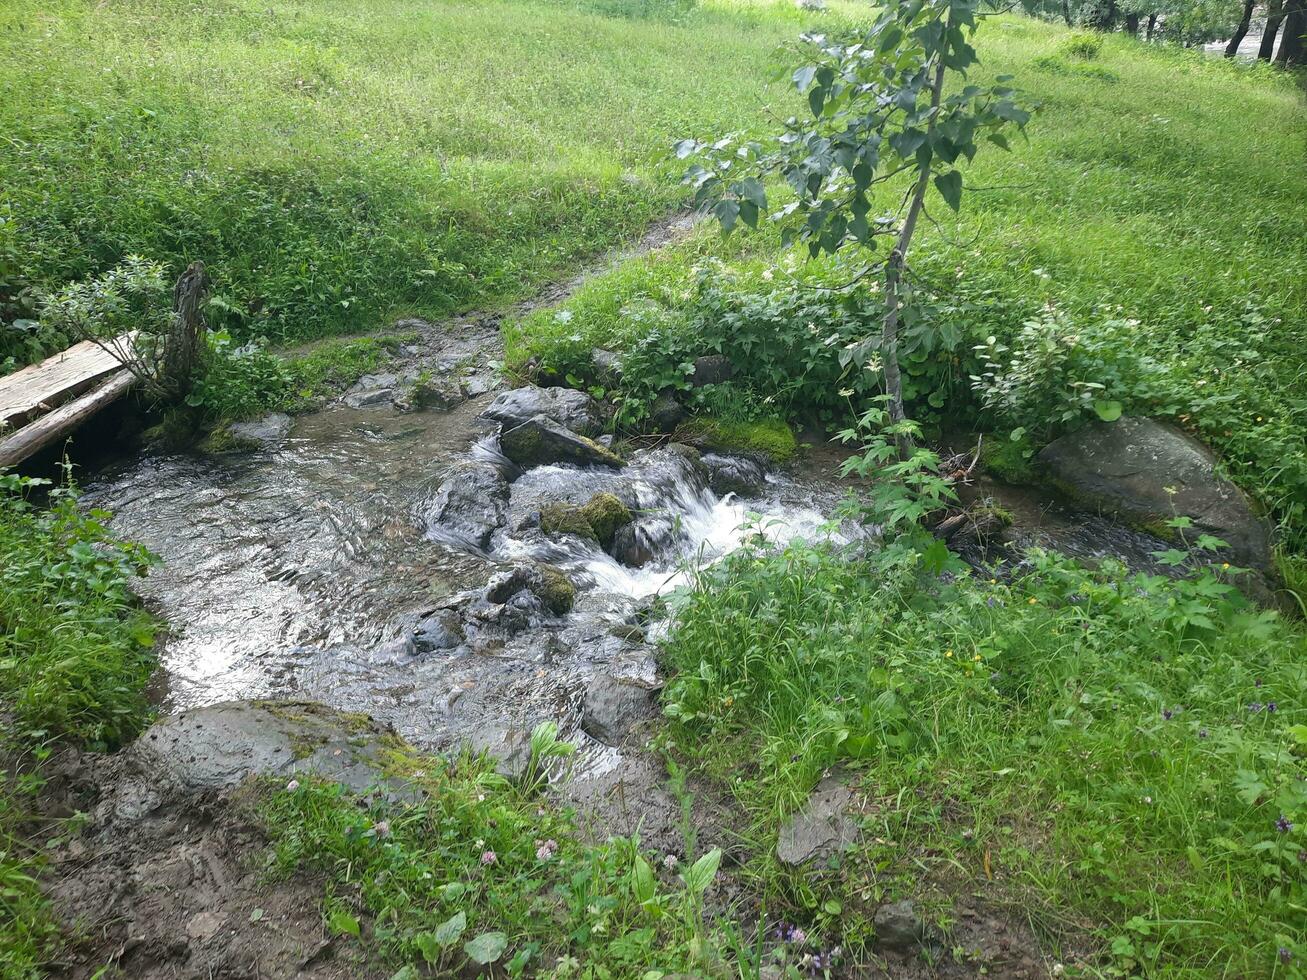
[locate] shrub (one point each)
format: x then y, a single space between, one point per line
1084 45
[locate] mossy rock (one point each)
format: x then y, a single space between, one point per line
1012 462
223 440
566 519
557 591
604 513
770 437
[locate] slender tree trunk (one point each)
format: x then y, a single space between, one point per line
1292 50
1274 15
1152 23
1241 31
1066 11
1132 22
894 267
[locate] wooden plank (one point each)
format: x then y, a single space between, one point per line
63 420
39 387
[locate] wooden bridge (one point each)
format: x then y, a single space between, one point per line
44 402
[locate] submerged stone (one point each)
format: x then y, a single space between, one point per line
471 505
734 474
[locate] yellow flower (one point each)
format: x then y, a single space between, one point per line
1225 565
948 653
976 657
1032 600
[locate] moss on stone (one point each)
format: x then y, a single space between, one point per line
566 519
221 440
1008 460
770 437
557 592
605 513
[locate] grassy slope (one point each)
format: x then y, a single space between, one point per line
333 161
1177 192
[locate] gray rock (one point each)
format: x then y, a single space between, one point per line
574 410
666 412
509 747
470 506
371 389
734 474
613 707
607 365
441 391
541 441
1129 469
638 543
821 828
440 631
899 928
712 369
269 430
531 589
222 745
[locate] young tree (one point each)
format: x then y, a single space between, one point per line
1241 31
1274 12
877 109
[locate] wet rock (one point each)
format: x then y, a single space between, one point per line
821 828
371 389
666 412
899 928
574 410
1146 472
607 365
541 441
510 748
554 590
267 431
471 505
612 708
441 630
734 474
638 543
440 392
712 369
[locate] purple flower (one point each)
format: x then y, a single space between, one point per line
1286 954
1167 713
1271 707
1284 824
489 857
1302 856
1255 707
1202 733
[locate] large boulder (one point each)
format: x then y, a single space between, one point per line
571 409
540 441
1145 473
734 474
469 507
712 369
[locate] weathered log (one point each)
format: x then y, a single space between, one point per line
40 387
63 420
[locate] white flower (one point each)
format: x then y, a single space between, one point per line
767 275
292 786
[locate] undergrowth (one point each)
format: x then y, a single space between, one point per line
1108 751
76 651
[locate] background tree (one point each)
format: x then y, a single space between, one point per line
877 109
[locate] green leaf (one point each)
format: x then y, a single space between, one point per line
449 931
342 923
803 77
405 973
428 946
486 948
949 186
643 880
1108 411
703 871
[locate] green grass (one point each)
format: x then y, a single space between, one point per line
336 162
75 653
1174 195
479 856
1125 756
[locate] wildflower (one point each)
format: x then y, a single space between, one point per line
1302 856
1167 714
381 828
767 275
1202 733
292 786
976 658
1284 824
991 602
489 857
1225 566
1032 601
948 653
1286 954
1257 683
1148 800
1255 707
546 850
1271 707
669 862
